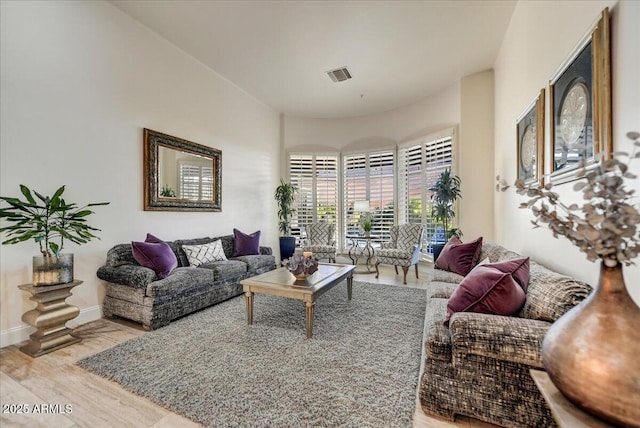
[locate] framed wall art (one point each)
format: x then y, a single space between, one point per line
530 140
580 104
180 175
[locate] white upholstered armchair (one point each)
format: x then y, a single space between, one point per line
403 249
321 240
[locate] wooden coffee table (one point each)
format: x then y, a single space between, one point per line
281 282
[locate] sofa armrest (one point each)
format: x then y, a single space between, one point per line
266 251
131 275
518 340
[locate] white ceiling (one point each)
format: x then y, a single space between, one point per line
398 52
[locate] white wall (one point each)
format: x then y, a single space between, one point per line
476 156
467 105
79 81
540 36
386 129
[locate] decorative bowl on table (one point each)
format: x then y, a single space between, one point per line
301 266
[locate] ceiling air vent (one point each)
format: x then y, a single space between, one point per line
339 74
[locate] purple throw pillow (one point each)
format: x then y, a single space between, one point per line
498 289
517 268
246 245
459 257
155 254
151 238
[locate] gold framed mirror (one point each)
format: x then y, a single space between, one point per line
180 175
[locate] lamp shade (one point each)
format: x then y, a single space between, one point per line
361 206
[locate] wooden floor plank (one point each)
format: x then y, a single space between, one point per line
25 408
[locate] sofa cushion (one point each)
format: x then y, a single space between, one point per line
550 294
155 254
255 263
246 245
180 279
437 343
226 269
501 338
132 275
446 276
204 253
497 289
459 257
120 255
441 290
394 253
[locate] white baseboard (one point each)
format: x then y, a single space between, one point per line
21 333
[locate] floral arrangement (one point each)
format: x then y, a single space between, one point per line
606 225
301 266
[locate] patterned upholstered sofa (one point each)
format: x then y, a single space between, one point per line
135 292
479 365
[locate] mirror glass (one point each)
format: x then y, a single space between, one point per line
180 175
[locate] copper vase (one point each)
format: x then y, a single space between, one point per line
592 353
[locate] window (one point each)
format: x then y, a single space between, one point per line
420 165
316 177
196 181
371 177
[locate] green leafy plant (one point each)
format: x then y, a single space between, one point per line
446 191
365 222
284 195
49 221
167 192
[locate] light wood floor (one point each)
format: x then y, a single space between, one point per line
87 400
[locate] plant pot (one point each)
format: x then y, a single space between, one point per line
437 249
591 352
287 246
52 270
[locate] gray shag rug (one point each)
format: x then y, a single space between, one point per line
360 369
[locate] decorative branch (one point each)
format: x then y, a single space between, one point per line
606 225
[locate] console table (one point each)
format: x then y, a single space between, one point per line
49 317
564 412
356 251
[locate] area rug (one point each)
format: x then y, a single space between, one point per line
359 369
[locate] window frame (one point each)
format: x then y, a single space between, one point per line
450 132
301 234
367 154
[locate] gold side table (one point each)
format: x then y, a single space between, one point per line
49 317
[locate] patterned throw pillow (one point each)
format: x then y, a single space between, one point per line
205 253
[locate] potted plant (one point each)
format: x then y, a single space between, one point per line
365 223
167 192
284 195
446 191
49 221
